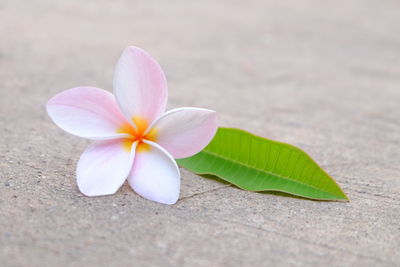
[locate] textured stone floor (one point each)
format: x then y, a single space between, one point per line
322 75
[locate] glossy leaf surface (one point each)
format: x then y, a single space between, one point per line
257 164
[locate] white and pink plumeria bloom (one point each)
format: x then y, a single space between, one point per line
136 139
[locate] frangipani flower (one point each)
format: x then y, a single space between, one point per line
136 140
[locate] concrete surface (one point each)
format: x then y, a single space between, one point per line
322 75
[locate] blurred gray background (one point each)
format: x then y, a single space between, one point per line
322 75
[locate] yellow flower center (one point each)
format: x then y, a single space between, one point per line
137 135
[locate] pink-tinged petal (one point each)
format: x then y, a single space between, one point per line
87 112
140 85
155 174
104 167
184 132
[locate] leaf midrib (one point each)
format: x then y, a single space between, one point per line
267 172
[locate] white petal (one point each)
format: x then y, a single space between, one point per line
140 85
104 167
184 132
87 112
155 175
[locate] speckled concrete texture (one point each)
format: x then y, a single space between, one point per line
322 75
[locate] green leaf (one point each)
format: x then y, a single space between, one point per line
254 163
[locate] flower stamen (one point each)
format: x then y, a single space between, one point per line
138 134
